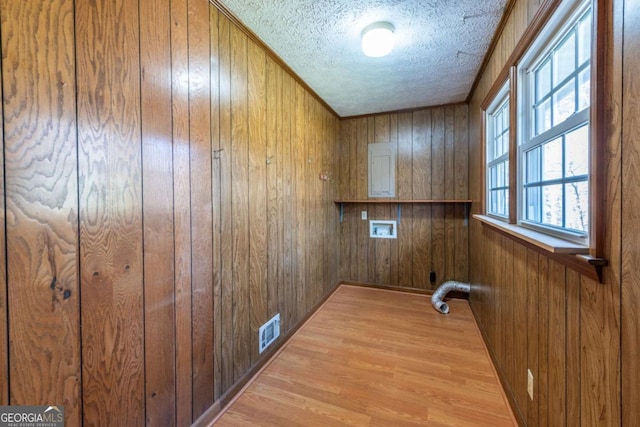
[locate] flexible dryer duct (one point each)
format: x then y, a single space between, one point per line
443 290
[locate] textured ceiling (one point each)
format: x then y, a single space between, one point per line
439 48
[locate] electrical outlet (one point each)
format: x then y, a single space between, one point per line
363 215
530 384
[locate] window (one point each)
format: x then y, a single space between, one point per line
557 100
553 149
497 138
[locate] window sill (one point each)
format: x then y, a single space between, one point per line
570 254
543 241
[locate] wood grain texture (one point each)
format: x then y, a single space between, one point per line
240 203
421 244
216 190
110 192
181 210
432 146
157 177
300 161
327 374
134 154
272 160
201 205
631 201
226 209
40 189
4 303
257 102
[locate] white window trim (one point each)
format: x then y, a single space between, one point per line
498 102
552 34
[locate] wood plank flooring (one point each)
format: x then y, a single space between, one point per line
371 357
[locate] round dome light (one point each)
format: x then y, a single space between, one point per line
377 39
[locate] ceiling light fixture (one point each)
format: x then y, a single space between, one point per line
377 39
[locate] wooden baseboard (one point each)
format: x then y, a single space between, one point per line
454 294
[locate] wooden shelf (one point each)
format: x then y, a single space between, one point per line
404 201
399 202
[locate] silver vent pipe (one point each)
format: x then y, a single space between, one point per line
443 290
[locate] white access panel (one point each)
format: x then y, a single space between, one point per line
382 170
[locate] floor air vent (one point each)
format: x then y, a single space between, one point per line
269 332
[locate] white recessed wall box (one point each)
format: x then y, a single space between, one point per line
383 229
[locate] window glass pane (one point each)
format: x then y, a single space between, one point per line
552 160
577 152
532 211
498 147
505 117
493 178
564 59
543 117
552 209
577 211
506 173
533 165
505 142
564 102
584 40
584 89
543 80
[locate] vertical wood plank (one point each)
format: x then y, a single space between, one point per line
461 262
600 352
240 190
227 242
438 188
532 333
557 360
157 177
216 193
361 193
108 100
449 192
201 205
181 209
344 183
394 247
404 174
519 384
40 185
542 379
630 207
279 285
422 189
272 160
573 348
299 148
4 330
257 195
381 262
289 300
316 202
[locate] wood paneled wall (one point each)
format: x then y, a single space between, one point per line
540 315
432 163
161 178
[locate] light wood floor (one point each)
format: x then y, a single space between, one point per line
372 357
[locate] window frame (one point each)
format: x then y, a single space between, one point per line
496 105
545 44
